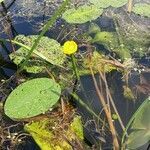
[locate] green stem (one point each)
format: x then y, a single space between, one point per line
75 67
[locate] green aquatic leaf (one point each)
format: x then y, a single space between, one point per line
48 50
107 3
93 28
32 98
111 42
43 132
140 127
142 119
142 9
137 139
82 14
77 128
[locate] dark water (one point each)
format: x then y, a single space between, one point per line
125 107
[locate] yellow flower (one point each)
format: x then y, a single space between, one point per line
70 47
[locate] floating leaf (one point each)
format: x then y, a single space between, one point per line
107 3
48 50
82 14
142 9
32 98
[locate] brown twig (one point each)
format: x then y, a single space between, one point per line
107 112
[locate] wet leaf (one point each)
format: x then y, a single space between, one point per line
107 3
32 98
111 42
142 119
140 127
77 128
142 9
43 133
48 50
82 14
137 139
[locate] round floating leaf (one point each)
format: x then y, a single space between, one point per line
142 9
32 98
82 14
107 3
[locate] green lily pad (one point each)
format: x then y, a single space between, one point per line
142 9
107 3
82 14
32 98
48 50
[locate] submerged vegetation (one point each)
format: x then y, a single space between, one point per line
46 101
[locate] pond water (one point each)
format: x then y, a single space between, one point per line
28 17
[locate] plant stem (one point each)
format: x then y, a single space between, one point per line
129 7
75 67
107 112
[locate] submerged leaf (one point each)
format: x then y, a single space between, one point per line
110 41
77 128
45 133
82 14
32 98
127 92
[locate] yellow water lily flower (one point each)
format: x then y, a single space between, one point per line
70 47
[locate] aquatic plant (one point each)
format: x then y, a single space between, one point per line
138 126
69 47
32 98
48 50
107 3
142 9
49 134
82 14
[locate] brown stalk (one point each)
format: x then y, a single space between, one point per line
129 7
107 112
111 100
